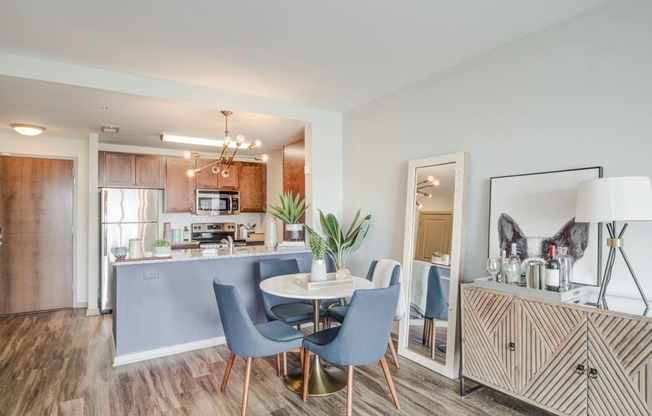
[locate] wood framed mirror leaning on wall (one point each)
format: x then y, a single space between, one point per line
435 214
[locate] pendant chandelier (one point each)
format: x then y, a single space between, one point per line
422 186
223 162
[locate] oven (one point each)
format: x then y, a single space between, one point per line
210 235
216 202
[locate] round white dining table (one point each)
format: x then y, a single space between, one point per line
324 379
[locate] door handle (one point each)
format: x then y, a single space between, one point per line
511 346
593 373
579 369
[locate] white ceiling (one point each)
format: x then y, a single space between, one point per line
333 55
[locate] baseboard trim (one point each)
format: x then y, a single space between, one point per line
161 352
92 311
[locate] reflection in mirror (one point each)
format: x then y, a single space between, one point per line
432 261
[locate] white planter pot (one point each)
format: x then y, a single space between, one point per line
162 251
318 271
294 232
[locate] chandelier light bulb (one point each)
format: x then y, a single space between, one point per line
225 173
436 182
427 195
256 144
215 169
227 141
263 158
239 139
419 205
186 155
190 173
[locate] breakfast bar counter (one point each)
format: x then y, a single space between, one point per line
166 305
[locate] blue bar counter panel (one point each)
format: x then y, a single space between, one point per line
167 307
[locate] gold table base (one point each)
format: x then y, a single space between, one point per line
324 379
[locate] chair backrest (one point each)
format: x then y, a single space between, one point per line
396 272
363 336
238 329
436 304
271 268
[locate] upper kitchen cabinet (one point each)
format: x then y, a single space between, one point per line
231 181
206 179
126 170
179 188
253 186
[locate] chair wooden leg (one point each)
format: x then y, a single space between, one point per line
285 363
393 351
426 334
349 390
301 352
245 395
278 365
433 335
227 372
390 382
299 327
306 372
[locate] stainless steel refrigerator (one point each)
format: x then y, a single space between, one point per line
124 214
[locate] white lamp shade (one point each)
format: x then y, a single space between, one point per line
626 198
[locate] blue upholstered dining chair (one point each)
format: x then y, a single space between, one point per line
248 340
337 313
356 342
290 311
436 308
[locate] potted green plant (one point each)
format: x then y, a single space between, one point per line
162 248
437 257
318 248
290 210
339 243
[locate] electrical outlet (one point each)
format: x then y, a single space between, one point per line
150 274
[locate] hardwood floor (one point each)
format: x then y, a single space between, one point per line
59 363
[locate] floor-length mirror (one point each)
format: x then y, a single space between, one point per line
432 261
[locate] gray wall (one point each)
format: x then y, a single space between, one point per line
576 94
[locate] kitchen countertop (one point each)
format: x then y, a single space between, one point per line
197 254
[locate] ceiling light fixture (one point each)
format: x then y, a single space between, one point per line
224 159
110 129
28 129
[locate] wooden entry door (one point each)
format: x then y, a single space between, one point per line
434 233
36 212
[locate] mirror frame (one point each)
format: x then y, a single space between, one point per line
451 368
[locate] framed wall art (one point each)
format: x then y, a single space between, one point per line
536 210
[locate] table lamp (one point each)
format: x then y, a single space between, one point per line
626 198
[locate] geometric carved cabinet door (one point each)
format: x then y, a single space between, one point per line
551 345
620 354
488 339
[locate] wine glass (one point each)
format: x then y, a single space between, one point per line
493 267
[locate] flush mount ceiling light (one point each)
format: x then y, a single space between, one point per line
429 182
28 129
226 143
110 129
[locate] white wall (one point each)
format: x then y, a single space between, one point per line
61 148
576 94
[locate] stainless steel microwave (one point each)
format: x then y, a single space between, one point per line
216 202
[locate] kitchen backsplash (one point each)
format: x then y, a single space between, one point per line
180 220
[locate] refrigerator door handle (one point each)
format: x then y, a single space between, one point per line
105 196
104 242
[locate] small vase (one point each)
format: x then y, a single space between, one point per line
342 273
318 271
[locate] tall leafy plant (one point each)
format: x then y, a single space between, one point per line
341 243
291 209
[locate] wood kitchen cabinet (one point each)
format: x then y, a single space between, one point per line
564 358
179 188
253 186
206 179
127 170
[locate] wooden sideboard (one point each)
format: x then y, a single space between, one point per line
565 358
